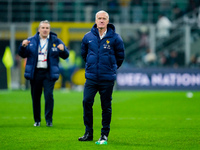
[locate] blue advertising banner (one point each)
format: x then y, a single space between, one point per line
158 79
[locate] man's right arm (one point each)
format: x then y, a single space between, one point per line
23 49
84 49
25 43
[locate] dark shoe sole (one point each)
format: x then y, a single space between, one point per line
85 139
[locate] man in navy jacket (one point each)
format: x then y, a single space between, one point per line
103 51
42 52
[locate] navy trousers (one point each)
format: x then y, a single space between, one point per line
105 89
42 81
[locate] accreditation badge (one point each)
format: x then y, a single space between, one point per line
41 57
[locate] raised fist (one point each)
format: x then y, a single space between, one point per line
25 43
61 47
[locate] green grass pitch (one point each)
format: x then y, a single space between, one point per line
141 120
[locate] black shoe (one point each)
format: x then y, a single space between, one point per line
86 137
49 124
102 140
36 124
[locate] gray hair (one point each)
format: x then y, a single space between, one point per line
44 21
102 11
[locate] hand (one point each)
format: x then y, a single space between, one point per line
25 43
61 47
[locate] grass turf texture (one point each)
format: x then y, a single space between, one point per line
147 120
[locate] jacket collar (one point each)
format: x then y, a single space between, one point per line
110 30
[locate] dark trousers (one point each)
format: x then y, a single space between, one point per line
105 89
42 81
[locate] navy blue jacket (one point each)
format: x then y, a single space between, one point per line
31 53
102 57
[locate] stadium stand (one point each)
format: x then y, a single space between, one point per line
135 21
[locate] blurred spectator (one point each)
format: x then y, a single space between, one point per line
144 39
193 61
163 26
149 58
137 12
177 12
173 59
162 61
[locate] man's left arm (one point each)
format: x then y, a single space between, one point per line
63 50
119 51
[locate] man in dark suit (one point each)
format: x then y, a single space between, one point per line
42 52
103 51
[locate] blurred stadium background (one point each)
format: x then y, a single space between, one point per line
169 61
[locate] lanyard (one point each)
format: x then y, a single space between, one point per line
41 47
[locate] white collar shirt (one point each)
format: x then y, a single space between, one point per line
101 37
42 53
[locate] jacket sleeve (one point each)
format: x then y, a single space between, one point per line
65 53
84 48
119 51
23 51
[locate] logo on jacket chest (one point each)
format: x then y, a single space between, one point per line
54 48
107 45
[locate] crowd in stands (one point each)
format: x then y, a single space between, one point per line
123 11
164 23
162 13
